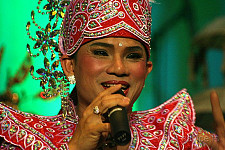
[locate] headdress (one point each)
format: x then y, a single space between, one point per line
84 20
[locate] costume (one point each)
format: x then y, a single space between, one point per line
168 126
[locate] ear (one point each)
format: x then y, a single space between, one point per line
67 65
149 66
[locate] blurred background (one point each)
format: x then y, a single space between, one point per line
188 51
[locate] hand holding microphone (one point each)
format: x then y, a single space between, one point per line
117 116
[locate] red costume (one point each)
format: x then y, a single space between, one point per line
168 126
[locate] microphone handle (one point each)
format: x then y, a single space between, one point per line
120 129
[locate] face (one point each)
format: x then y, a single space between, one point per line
105 62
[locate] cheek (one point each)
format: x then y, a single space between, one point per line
138 70
90 66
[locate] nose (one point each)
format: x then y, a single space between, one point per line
118 67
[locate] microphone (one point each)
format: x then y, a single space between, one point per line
120 129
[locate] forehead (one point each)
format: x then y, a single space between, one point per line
116 42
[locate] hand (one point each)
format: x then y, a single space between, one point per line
90 128
216 144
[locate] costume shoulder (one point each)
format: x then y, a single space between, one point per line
168 126
29 131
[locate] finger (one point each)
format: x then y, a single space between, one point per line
113 100
105 134
216 109
96 128
217 112
93 123
104 127
218 117
98 99
108 91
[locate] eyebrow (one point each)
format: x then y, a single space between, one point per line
102 44
131 48
134 48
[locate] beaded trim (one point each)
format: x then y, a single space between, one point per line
89 19
29 130
168 126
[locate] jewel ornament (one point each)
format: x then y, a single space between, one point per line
52 78
72 79
96 110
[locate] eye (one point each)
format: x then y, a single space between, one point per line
134 56
100 53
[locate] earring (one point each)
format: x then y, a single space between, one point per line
72 79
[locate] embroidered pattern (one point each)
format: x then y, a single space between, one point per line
30 131
95 19
169 126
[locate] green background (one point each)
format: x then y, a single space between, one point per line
172 35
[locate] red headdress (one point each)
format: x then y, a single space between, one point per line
86 20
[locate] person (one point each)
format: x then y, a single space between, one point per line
105 46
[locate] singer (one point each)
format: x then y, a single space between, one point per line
105 47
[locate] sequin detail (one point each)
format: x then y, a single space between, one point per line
30 131
168 126
96 19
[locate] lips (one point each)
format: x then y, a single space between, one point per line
124 88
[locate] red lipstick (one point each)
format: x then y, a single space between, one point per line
124 88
